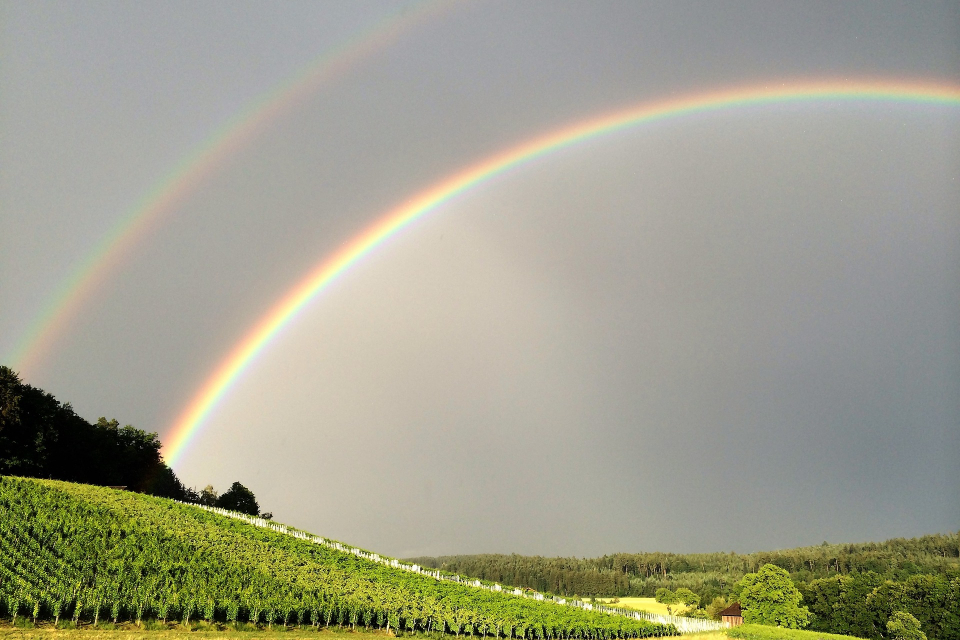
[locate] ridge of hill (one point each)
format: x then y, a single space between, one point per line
707 574
92 553
42 437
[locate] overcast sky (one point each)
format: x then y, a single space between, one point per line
735 331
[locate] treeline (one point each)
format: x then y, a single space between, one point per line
707 574
850 589
561 576
40 437
88 554
43 438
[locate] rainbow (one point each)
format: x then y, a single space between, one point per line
285 310
225 141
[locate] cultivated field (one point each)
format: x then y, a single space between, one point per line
641 604
183 633
202 631
136 558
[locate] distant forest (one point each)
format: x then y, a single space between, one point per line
850 589
706 574
40 437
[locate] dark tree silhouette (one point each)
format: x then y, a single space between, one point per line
239 498
42 437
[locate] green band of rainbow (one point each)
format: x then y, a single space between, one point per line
240 358
209 155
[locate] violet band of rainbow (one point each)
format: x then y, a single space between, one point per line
205 400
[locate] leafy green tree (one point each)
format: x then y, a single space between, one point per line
716 606
667 597
687 597
842 604
931 599
28 426
770 597
239 498
903 626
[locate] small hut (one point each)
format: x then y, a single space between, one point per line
732 616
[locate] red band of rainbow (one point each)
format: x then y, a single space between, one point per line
243 354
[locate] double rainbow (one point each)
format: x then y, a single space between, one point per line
286 309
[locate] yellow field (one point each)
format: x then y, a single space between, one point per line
642 604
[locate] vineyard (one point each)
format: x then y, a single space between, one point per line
87 553
684 625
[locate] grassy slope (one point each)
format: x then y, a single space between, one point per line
746 632
205 557
761 632
180 633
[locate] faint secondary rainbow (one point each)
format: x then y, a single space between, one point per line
192 170
244 353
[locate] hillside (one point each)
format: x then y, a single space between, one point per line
70 551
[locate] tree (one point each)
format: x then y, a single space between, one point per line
667 597
687 597
931 599
239 498
842 604
716 606
28 420
208 496
42 437
770 597
903 626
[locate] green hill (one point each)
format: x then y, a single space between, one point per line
70 551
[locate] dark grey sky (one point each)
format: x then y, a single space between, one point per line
733 331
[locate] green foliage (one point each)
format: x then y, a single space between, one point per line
96 554
667 597
238 498
41 437
903 626
770 597
861 604
699 614
933 600
707 574
717 605
839 604
687 597
690 602
195 631
918 575
208 496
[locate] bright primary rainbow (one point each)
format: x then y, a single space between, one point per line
244 353
195 168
